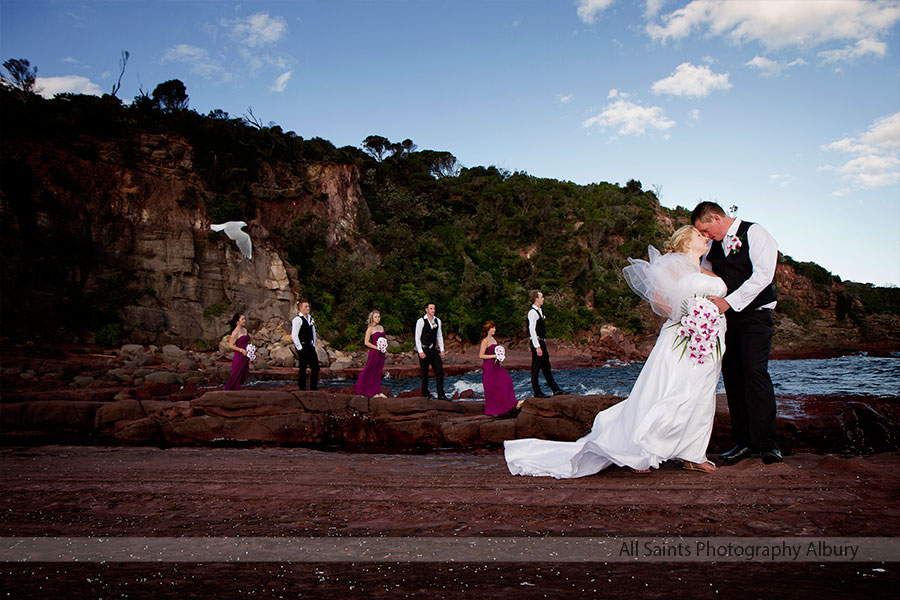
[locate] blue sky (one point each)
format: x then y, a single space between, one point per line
789 109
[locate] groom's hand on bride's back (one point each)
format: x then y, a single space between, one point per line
720 303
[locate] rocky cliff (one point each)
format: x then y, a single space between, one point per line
136 228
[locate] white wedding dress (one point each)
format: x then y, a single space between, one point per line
670 411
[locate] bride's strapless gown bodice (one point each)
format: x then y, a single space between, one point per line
669 413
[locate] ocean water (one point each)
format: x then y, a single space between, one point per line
858 375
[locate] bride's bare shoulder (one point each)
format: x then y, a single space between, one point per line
707 272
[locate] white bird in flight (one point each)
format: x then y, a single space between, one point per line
233 230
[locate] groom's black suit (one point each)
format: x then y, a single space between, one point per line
748 342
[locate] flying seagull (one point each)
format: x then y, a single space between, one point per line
233 230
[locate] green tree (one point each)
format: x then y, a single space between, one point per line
22 77
170 96
377 146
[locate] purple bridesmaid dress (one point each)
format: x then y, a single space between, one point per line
499 396
369 382
240 366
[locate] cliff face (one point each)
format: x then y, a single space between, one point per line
98 227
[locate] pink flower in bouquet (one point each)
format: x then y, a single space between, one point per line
733 243
381 344
500 353
251 352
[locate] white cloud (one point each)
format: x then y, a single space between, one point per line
257 30
652 8
628 118
852 52
693 81
694 115
74 84
566 99
71 61
780 179
772 68
589 9
197 59
281 82
781 23
877 154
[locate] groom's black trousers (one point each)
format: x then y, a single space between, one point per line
308 358
745 371
541 364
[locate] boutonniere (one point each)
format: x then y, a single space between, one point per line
311 320
733 244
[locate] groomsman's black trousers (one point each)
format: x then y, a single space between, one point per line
308 358
541 363
745 371
433 359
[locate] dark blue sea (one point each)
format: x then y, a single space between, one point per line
847 376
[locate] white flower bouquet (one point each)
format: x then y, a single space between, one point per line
699 329
500 353
251 352
381 344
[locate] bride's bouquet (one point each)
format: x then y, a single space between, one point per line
251 352
698 331
500 353
381 344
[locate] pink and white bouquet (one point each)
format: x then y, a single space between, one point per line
699 329
500 353
733 243
251 352
381 344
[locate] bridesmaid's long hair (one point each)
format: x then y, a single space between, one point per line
486 328
679 239
370 320
234 320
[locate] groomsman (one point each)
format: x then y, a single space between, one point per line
430 346
303 333
540 358
744 255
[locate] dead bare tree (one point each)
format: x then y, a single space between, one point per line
122 62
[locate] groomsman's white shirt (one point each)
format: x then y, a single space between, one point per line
532 325
420 325
295 330
763 257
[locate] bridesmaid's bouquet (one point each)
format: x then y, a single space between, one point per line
381 344
698 330
251 352
500 353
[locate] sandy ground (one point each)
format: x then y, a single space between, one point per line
291 492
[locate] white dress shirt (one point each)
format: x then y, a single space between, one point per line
420 325
295 330
763 257
533 316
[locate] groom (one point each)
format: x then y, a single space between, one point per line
540 358
744 255
430 346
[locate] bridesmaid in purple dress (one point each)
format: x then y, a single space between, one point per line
240 364
369 382
499 395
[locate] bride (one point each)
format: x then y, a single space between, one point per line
670 411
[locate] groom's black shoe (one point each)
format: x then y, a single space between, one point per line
729 453
772 456
737 455
540 394
559 393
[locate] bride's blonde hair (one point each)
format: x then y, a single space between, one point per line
679 239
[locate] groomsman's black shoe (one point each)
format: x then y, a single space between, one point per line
559 393
443 397
729 453
540 395
772 456
737 456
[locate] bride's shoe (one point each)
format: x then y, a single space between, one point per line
707 467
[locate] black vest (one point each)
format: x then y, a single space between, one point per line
305 335
736 268
539 327
429 333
